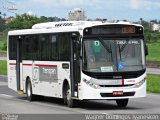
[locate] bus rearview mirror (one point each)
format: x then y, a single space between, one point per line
146 50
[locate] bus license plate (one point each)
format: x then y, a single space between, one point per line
117 93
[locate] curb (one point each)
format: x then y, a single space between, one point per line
3 75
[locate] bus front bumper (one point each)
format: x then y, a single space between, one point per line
87 92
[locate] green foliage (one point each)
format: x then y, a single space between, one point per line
144 23
153 83
4 48
3 67
2 25
3 41
151 36
25 21
154 52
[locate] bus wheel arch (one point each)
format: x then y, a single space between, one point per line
67 94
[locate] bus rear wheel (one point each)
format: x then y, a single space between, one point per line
30 96
122 102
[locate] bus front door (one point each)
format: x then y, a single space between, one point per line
19 65
75 64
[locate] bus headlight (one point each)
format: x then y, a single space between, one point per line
91 84
140 83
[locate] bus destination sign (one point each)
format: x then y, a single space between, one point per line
113 30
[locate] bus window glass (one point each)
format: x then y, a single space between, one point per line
103 55
12 47
129 55
96 57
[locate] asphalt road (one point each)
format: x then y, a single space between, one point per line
153 70
3 58
12 103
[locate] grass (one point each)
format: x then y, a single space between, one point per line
3 67
153 83
1 45
3 39
154 52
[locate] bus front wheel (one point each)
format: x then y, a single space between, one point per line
70 102
122 102
30 96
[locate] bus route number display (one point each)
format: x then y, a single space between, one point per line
128 29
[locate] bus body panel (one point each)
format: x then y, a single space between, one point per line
95 94
12 75
37 72
88 92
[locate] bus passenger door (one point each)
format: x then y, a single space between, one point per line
19 64
75 64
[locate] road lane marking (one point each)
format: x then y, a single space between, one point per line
3 84
5 95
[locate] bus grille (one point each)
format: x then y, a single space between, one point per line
116 85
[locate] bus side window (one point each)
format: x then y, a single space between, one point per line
64 46
12 47
53 53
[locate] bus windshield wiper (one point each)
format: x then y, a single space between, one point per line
105 45
123 46
120 49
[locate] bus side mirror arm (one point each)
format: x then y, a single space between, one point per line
146 50
80 47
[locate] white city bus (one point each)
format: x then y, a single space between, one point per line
78 60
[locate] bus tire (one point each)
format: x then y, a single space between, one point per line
69 101
30 96
122 102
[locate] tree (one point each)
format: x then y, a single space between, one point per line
55 19
4 15
25 21
154 21
2 23
0 15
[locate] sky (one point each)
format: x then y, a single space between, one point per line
131 10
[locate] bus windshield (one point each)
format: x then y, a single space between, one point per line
109 55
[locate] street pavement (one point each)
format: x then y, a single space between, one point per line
3 58
153 70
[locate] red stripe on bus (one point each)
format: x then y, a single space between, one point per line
122 81
12 63
43 65
40 65
27 64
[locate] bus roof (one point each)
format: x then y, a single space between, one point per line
64 26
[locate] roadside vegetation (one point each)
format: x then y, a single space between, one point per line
153 83
154 51
3 67
3 41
